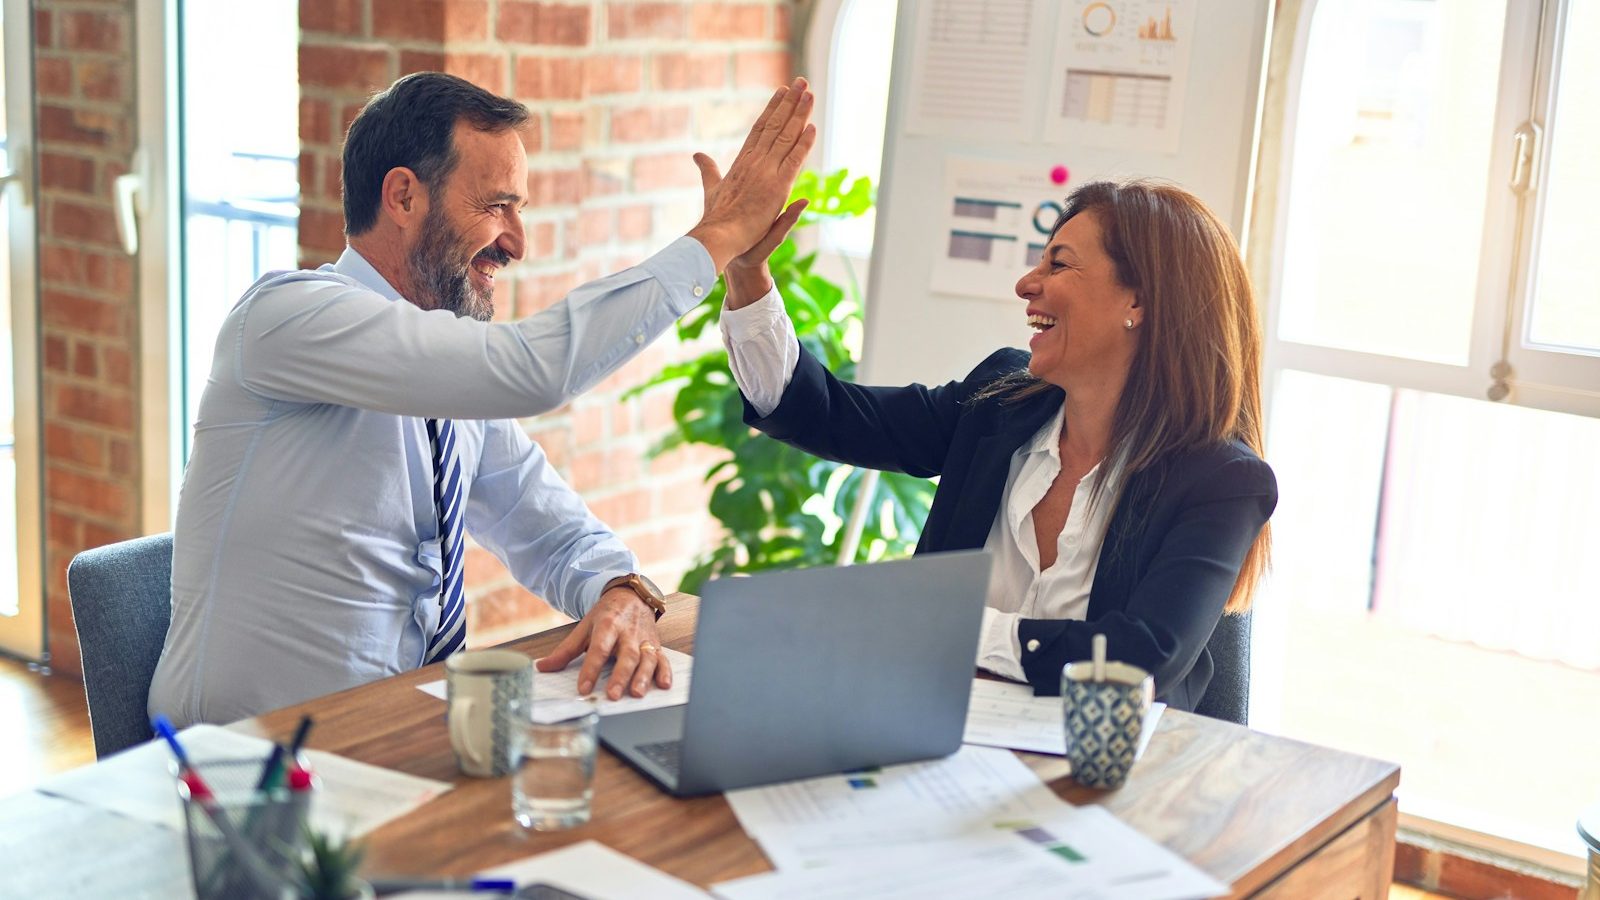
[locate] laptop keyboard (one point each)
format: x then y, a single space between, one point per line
666 754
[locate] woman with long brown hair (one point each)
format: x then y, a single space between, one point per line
1114 472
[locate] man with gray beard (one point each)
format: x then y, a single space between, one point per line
359 419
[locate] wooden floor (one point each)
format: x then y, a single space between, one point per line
44 729
44 726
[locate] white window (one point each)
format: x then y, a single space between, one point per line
849 47
240 168
218 197
21 518
1432 600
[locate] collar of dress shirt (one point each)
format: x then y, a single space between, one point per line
353 265
1048 438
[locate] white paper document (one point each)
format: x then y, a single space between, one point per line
1084 853
971 73
802 824
978 823
997 220
1120 73
556 697
589 869
353 798
1003 714
51 847
989 869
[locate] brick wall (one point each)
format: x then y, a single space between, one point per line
622 94
84 81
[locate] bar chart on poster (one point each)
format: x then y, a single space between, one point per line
1000 108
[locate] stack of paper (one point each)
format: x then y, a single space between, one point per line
354 798
976 823
556 697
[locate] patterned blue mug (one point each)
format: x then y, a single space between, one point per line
485 691
1103 720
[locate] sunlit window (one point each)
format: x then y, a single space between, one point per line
241 159
8 473
1388 186
1566 297
859 55
1432 601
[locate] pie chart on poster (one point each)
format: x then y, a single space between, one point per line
1099 19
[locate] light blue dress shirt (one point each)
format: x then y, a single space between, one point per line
306 556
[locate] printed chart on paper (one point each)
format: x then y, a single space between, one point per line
972 75
997 222
1120 72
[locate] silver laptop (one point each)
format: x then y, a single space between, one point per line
816 671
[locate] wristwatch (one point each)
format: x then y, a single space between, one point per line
644 587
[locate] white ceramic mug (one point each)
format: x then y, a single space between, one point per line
485 689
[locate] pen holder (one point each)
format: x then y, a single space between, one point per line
243 843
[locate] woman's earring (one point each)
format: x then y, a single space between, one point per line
1128 324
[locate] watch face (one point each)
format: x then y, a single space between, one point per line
652 586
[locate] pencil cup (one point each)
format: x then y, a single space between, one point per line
243 842
1103 720
484 691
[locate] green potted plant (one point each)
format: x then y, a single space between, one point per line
327 869
781 508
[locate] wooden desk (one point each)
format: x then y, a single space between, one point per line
1270 816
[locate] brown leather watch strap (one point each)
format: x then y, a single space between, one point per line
647 591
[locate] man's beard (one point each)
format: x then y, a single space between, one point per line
441 278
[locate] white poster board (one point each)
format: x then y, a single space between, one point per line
998 109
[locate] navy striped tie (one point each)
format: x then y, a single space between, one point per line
452 630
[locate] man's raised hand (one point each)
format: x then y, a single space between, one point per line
743 206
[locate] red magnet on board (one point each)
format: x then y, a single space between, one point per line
1059 174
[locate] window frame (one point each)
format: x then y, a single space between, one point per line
1566 380
1519 58
1500 307
818 50
25 635
157 168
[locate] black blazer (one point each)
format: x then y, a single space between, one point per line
1172 550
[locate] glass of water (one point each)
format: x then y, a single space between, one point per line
553 783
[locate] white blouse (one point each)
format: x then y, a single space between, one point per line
763 354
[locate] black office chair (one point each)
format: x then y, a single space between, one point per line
1228 696
122 604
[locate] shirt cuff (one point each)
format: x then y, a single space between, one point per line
998 648
762 350
758 318
685 269
590 593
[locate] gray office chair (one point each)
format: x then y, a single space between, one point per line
122 603
1228 696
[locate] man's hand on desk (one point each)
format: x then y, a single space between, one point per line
620 625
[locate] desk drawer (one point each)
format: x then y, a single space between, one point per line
1356 865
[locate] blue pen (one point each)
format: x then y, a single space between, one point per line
396 885
164 728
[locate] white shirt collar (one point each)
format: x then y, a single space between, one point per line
1048 438
352 264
